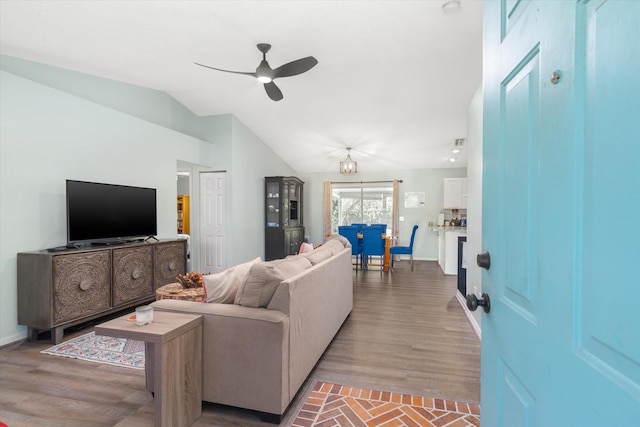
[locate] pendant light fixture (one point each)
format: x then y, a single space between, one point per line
348 166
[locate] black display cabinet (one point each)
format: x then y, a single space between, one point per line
284 227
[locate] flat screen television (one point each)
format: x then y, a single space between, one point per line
108 213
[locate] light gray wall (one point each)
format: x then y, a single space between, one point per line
58 125
218 131
48 136
474 199
429 181
148 104
251 161
105 131
183 186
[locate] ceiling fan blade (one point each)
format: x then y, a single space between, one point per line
273 91
228 71
296 67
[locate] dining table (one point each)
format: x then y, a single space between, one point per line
387 249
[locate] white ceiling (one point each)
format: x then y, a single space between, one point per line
393 81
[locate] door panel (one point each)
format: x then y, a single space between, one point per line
511 335
520 94
219 196
516 398
561 346
611 160
207 223
511 11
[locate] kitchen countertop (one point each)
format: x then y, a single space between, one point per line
449 228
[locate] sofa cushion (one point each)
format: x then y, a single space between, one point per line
264 278
318 255
340 238
334 245
222 287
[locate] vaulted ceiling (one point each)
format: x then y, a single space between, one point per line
393 81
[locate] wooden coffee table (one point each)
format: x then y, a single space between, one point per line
173 345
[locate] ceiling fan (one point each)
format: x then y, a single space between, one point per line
265 74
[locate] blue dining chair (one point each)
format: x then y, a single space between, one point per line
372 245
359 225
350 232
404 250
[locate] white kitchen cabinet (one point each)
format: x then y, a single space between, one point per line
455 193
441 249
448 250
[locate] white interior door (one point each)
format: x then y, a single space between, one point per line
212 221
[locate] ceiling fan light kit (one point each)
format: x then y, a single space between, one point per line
266 75
348 166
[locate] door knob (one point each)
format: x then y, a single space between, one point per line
473 302
484 260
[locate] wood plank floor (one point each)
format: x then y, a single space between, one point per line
407 333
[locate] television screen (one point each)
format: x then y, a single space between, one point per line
106 212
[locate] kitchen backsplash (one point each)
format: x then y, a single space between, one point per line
449 214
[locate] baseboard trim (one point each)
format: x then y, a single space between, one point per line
20 336
472 320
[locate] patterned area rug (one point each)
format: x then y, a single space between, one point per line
330 405
101 349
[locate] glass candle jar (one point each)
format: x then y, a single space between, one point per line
144 315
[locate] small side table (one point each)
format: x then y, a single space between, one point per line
173 345
176 291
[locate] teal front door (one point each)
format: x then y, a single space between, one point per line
561 213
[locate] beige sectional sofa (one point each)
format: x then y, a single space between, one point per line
258 351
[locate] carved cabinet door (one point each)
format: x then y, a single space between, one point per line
132 274
170 261
81 285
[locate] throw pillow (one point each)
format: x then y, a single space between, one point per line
265 277
318 255
306 248
222 287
